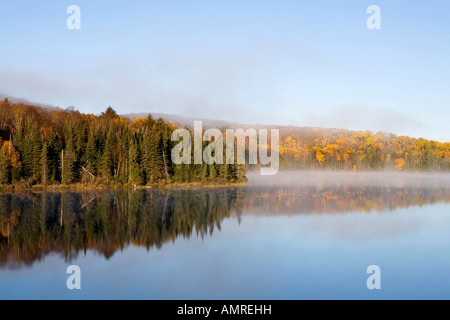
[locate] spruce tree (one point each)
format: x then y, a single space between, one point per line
225 172
133 160
91 157
241 173
153 161
108 157
69 169
31 154
54 148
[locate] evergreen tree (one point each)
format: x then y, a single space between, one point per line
31 154
54 148
232 173
241 173
69 159
108 157
225 172
133 160
153 161
91 157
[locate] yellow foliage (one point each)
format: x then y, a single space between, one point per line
140 122
10 222
11 154
399 163
320 157
346 156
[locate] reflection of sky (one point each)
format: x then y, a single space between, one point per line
275 257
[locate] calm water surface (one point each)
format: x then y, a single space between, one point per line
293 236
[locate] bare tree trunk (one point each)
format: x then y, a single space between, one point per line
62 166
88 172
166 169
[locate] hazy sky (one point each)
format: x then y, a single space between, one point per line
307 63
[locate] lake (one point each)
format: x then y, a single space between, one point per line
296 235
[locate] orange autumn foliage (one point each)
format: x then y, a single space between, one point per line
12 156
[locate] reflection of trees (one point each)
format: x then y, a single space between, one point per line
35 224
332 199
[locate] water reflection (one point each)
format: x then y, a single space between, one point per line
332 199
34 224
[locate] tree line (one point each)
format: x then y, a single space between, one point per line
56 146
314 148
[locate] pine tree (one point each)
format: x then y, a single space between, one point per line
153 161
232 173
241 173
31 154
91 157
54 148
225 172
69 169
133 160
107 165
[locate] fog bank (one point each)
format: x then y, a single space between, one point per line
349 178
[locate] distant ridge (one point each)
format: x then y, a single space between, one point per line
24 101
188 122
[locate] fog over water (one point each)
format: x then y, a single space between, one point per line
349 178
298 234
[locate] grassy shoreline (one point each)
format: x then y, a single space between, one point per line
82 186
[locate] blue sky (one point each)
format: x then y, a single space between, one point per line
307 63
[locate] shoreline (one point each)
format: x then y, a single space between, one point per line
319 176
81 187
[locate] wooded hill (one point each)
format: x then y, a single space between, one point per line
360 150
41 146
319 148
63 146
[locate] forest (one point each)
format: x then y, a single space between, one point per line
315 148
63 146
53 146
